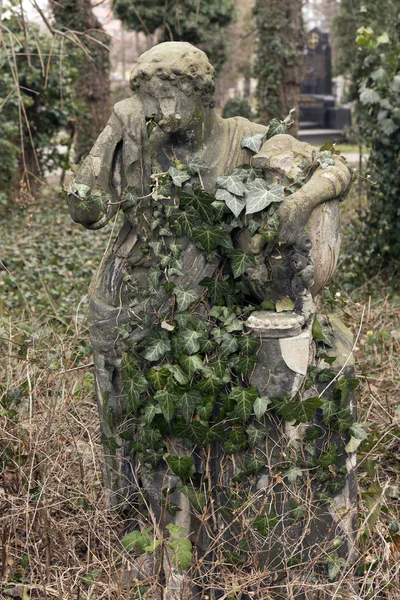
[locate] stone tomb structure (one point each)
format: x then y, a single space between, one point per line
225 402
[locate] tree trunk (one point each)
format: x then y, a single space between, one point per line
279 58
93 81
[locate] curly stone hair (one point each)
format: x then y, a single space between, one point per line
182 64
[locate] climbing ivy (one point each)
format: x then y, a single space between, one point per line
189 378
369 46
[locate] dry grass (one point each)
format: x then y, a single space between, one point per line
59 539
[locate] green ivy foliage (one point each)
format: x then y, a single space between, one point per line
203 24
36 98
190 378
370 55
378 111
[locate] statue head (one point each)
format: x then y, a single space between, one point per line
176 82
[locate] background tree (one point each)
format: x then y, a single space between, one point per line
200 23
370 47
92 84
37 103
279 57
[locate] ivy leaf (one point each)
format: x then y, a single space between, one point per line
256 436
196 164
388 126
168 402
178 373
234 203
284 303
135 384
254 466
184 298
189 341
344 420
158 377
237 440
246 364
326 159
260 406
232 183
210 386
218 367
183 466
248 344
217 290
178 177
205 411
196 432
258 196
210 238
201 203
335 564
329 410
219 210
206 345
329 457
244 399
157 345
346 385
165 231
81 188
183 221
263 524
358 431
240 262
253 143
156 247
191 364
229 345
175 267
301 411
293 474
369 96
150 412
188 403
276 127
322 334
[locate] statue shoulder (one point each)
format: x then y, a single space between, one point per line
284 153
127 108
249 128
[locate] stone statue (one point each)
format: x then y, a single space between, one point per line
198 433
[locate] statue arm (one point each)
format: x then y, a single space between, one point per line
324 185
112 164
289 160
92 199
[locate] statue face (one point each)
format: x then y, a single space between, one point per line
169 106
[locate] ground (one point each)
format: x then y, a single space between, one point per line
58 538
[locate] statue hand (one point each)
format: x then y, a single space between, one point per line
294 213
